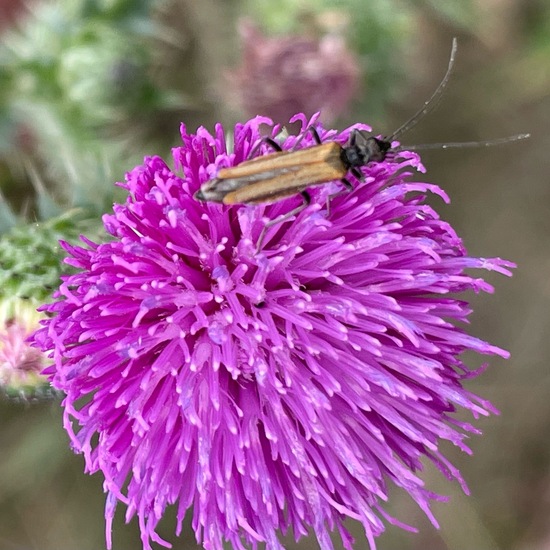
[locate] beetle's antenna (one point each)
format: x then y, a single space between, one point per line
462 144
431 103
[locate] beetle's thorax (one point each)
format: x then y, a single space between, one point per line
370 150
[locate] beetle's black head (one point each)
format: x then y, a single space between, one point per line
362 150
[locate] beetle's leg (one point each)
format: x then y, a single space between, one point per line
314 133
348 188
280 219
270 141
358 174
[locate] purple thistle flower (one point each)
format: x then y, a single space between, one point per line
283 390
280 75
20 364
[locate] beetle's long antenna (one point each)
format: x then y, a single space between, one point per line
431 103
461 144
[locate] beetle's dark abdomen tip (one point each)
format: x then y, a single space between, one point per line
199 196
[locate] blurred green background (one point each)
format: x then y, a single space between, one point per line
87 88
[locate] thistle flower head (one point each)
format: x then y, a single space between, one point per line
281 75
20 364
285 389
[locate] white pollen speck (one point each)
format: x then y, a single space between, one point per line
173 218
228 316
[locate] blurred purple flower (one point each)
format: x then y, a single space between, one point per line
20 364
10 12
283 75
284 390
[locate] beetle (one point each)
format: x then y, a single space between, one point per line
271 177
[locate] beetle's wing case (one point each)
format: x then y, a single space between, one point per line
325 153
316 165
